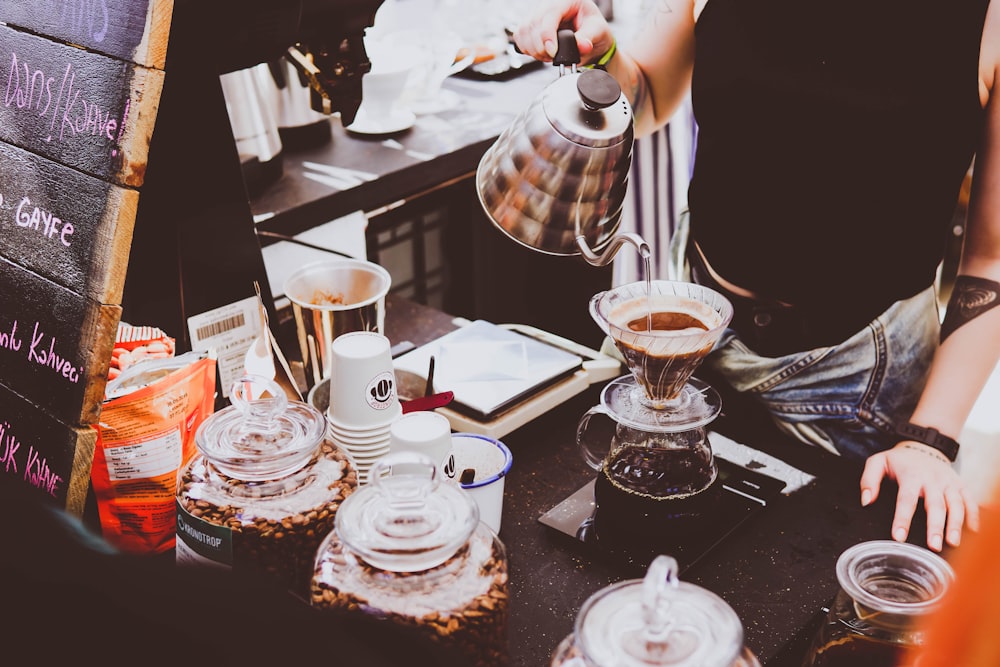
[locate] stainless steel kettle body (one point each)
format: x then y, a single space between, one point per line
555 180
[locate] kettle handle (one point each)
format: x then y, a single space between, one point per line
567 52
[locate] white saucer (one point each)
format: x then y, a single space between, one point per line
398 120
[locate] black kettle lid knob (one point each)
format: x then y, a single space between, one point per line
597 89
567 52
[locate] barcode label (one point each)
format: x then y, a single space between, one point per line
230 331
215 328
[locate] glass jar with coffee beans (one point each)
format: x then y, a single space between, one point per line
264 488
411 549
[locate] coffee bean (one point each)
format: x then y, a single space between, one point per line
266 539
469 595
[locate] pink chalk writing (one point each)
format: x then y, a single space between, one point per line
38 474
87 18
9 339
42 221
29 90
48 358
9 446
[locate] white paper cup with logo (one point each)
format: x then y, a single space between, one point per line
426 432
490 461
363 394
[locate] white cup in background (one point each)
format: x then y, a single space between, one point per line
491 461
363 394
381 91
426 432
382 87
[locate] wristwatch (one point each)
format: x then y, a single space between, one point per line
929 436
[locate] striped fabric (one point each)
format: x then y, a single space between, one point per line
658 182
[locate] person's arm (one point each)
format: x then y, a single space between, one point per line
969 350
654 71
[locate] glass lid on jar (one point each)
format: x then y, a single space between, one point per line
262 435
405 519
659 620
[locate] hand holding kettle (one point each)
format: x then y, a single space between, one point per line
556 178
536 36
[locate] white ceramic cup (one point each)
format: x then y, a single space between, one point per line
382 87
381 91
426 432
491 461
363 394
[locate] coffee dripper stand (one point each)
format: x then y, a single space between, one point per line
649 432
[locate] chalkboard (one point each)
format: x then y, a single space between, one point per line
69 227
85 110
127 29
81 82
44 453
55 346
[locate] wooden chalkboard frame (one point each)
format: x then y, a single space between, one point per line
132 30
80 85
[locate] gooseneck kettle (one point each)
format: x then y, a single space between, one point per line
555 180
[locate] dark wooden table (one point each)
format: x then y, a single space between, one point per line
777 569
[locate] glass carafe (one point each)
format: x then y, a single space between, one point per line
656 479
657 621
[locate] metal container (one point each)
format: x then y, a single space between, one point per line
330 298
555 180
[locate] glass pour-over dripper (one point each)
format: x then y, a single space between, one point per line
664 329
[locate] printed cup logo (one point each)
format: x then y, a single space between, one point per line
381 390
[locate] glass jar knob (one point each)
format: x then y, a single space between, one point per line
649 643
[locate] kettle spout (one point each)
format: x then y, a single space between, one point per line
605 256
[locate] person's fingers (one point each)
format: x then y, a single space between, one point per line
937 512
871 479
906 505
956 516
971 510
549 23
538 35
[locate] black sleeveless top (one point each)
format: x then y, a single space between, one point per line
833 138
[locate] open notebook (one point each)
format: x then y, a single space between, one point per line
488 367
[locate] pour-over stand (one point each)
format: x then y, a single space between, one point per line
661 363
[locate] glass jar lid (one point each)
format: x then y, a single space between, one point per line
405 519
892 582
659 620
258 438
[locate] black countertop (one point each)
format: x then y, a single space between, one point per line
776 569
438 149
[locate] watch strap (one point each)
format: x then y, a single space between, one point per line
929 436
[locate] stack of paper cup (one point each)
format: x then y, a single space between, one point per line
363 399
